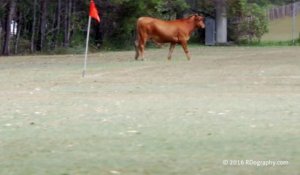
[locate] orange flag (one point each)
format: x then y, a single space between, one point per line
93 11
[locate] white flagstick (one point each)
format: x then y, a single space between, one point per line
86 47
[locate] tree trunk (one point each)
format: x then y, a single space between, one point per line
43 23
221 22
32 44
2 27
19 28
58 17
10 12
67 22
0 33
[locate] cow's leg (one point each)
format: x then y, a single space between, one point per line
136 45
172 46
143 51
157 44
142 47
185 48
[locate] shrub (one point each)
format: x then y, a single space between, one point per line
248 22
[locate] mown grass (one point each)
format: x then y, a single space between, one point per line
155 117
281 30
271 43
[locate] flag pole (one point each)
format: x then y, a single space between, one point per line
87 46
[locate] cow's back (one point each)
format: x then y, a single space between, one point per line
145 20
158 30
146 24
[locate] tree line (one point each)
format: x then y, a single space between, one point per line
30 26
40 25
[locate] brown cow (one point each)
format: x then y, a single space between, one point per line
173 32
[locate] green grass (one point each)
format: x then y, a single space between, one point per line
155 117
271 43
281 30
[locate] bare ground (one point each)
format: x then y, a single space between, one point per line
155 117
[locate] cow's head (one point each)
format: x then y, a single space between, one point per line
199 21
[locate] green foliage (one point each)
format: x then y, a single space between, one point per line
2 10
122 21
248 21
258 25
260 2
171 9
2 16
270 2
121 33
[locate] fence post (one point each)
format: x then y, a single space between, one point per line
293 21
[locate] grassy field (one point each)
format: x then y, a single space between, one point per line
281 30
153 117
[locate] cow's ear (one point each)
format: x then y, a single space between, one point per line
192 15
197 18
